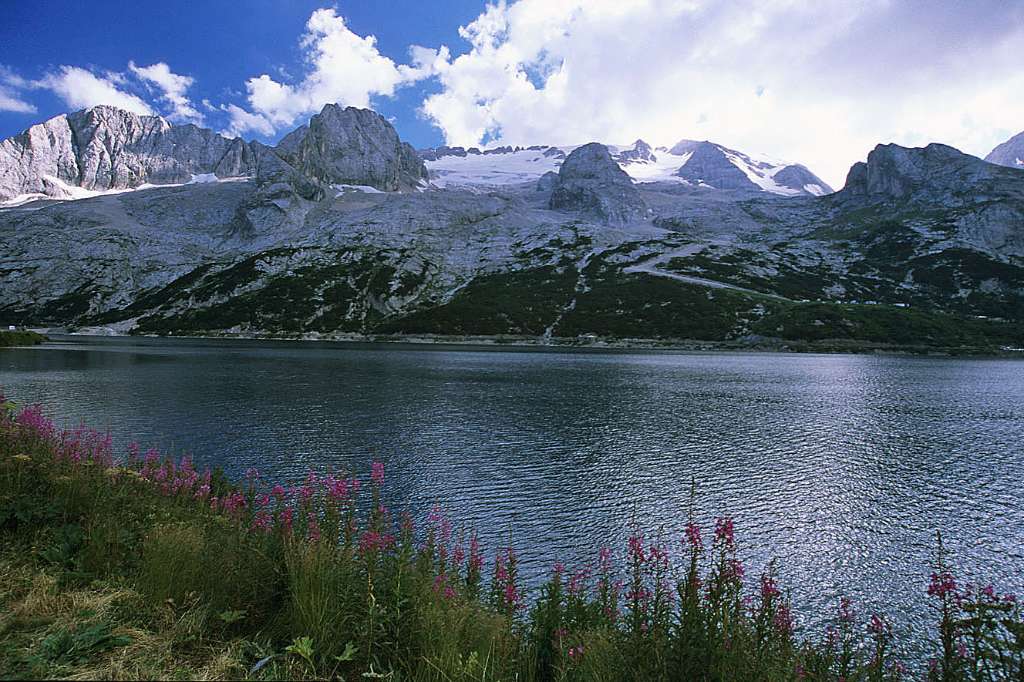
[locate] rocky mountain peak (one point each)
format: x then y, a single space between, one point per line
590 182
708 165
346 145
1009 153
640 153
930 173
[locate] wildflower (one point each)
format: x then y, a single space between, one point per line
783 621
941 584
733 570
693 536
846 614
252 474
769 588
878 626
636 547
314 528
377 473
372 541
262 522
286 519
278 492
724 531
22 458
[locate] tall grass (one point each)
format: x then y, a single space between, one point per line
319 579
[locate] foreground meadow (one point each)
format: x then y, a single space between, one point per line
138 565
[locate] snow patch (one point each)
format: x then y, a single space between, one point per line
815 189
365 189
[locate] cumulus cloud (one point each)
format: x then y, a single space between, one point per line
10 96
818 83
172 87
80 88
343 67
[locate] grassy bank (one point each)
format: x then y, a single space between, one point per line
20 338
142 566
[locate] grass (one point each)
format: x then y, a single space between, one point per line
141 566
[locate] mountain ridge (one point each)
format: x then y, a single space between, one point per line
305 244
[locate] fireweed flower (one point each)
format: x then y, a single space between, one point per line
724 531
878 626
783 621
693 536
377 473
769 588
636 547
314 528
941 584
846 614
262 522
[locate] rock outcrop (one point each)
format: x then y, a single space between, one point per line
349 146
1009 153
937 174
105 148
640 153
591 183
709 166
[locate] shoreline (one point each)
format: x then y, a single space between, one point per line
541 344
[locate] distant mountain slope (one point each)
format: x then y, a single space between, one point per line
1009 153
697 163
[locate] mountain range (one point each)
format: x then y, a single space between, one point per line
115 221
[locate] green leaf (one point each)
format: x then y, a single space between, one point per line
348 654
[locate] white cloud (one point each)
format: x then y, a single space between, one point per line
817 83
10 97
173 88
344 68
241 121
81 89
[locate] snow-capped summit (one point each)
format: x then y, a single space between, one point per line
704 164
713 165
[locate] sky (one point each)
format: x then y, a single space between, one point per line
819 83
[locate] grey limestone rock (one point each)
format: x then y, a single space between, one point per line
590 182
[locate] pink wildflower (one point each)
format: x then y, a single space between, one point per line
693 536
724 531
942 584
377 473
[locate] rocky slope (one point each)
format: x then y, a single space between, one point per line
1009 153
104 148
921 247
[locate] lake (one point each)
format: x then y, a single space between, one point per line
842 466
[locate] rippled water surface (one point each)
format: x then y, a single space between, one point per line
842 466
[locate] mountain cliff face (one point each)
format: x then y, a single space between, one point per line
313 239
591 183
1009 153
352 147
104 148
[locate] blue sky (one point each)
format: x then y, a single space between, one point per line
817 83
220 46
